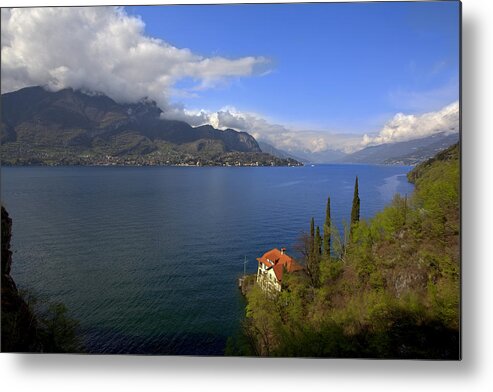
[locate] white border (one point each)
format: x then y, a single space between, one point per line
129 373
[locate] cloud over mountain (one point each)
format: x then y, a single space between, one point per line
404 127
280 136
106 50
103 49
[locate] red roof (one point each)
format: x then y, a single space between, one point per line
278 260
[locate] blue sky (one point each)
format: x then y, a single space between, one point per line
302 77
345 67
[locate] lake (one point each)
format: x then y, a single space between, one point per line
146 258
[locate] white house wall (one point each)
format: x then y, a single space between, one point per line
267 278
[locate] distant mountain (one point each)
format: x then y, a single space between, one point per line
326 156
405 153
74 127
270 149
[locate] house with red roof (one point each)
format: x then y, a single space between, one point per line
271 267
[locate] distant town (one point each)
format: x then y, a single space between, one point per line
52 157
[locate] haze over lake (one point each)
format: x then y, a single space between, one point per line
146 258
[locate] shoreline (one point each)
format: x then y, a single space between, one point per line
130 165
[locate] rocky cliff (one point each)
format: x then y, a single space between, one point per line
19 326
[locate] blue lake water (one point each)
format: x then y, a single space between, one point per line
146 258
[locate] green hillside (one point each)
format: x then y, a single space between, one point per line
71 127
391 290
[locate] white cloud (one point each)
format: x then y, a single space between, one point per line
103 49
280 136
408 127
400 128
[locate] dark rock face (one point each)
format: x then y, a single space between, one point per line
6 236
19 326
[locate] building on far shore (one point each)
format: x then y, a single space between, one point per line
271 268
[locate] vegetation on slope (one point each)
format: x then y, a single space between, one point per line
392 290
29 325
70 127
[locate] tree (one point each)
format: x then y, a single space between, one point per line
355 208
326 241
318 245
360 306
59 331
312 235
314 252
314 259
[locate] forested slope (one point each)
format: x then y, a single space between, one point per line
391 290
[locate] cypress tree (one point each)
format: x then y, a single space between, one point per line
355 209
313 256
312 236
327 230
314 264
318 245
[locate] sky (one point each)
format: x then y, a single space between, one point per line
300 76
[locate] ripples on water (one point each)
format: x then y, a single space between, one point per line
147 258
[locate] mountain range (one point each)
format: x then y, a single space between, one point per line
409 152
74 127
270 149
325 156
